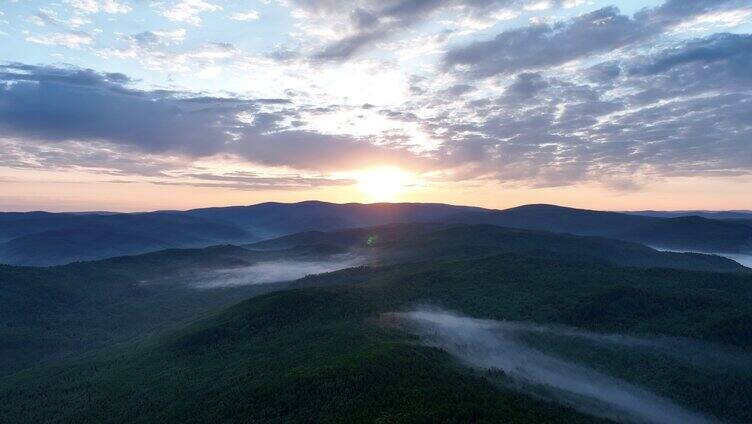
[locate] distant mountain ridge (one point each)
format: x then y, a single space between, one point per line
276 219
735 214
397 243
43 238
560 219
680 233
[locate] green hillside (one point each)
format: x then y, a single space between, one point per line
47 313
416 242
326 354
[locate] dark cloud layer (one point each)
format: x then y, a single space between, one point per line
543 45
62 104
681 111
248 181
643 111
729 50
372 24
373 21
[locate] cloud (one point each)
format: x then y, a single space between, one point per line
372 25
96 6
732 52
525 86
53 105
250 15
70 39
189 11
93 157
360 24
310 150
623 110
252 181
175 36
122 165
56 104
544 45
725 18
45 17
159 50
672 112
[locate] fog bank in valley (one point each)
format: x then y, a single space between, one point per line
745 259
742 258
495 345
273 271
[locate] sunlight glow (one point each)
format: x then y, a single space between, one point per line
384 184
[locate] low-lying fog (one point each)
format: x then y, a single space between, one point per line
273 271
744 259
497 345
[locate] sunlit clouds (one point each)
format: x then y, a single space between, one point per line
448 100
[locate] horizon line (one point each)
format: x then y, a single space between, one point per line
113 212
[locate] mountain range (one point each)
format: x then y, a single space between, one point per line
136 339
374 313
41 238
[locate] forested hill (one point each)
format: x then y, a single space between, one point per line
329 352
416 242
41 238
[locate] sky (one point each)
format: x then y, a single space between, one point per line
133 105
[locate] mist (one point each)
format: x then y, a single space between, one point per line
688 351
273 272
744 259
495 345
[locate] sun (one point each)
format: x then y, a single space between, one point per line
383 184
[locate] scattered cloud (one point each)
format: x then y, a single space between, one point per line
250 15
158 50
724 18
47 17
97 6
673 112
520 92
354 26
101 108
543 45
70 39
189 11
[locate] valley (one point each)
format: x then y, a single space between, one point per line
406 322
